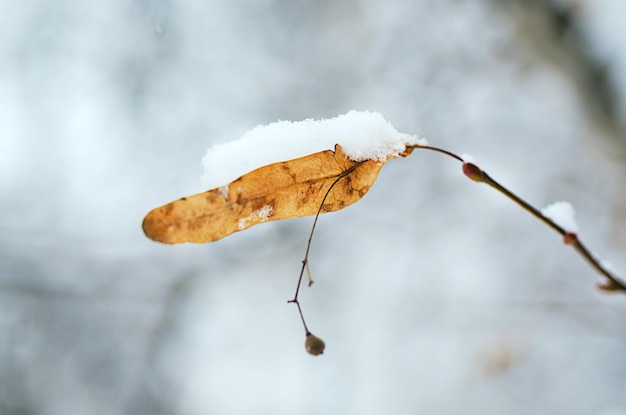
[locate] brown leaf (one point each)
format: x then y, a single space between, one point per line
282 190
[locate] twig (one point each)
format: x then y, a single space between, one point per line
475 173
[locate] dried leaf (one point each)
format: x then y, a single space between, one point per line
282 190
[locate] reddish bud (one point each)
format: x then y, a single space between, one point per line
473 172
570 238
608 286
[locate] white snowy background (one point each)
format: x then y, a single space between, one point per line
434 294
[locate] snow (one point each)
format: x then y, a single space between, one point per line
415 294
468 158
363 135
563 214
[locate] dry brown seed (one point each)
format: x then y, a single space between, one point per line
314 345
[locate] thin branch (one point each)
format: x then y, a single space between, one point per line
306 329
475 173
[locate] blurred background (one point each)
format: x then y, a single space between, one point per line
433 294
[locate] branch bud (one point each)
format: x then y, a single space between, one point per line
570 238
473 172
608 286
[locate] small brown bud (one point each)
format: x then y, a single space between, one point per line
608 286
314 345
569 238
473 172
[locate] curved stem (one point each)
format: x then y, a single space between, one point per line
305 260
438 150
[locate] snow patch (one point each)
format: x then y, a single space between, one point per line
223 191
258 216
563 214
468 159
363 135
607 265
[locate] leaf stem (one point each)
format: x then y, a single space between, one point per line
305 260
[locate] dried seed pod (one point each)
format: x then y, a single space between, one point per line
314 345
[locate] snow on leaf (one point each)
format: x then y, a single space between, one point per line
362 135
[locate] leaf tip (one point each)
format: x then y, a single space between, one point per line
152 226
